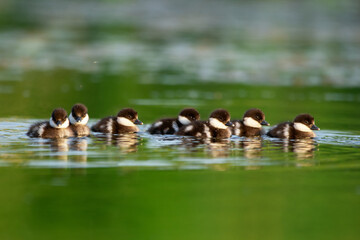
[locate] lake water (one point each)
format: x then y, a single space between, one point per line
159 56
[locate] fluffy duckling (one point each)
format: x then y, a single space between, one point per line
251 124
216 127
125 122
301 127
78 120
172 125
56 127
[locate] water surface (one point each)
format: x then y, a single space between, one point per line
175 187
142 150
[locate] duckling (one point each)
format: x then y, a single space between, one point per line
251 124
125 122
56 127
216 127
172 125
301 127
78 119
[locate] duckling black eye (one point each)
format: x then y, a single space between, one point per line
306 122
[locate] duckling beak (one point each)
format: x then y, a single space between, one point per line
314 127
229 124
265 123
58 123
78 119
138 122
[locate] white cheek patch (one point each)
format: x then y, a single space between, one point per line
217 124
52 124
175 126
72 119
250 122
189 128
184 120
64 125
158 124
83 121
302 127
125 122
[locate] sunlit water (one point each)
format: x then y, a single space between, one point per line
168 152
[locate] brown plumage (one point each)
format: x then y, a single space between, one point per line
78 120
172 125
301 127
250 125
57 127
124 122
215 127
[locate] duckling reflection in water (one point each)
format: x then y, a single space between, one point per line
61 146
80 145
126 142
212 148
252 147
251 150
303 148
216 148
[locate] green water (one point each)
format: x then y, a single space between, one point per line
159 56
113 203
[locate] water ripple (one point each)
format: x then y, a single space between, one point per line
145 151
